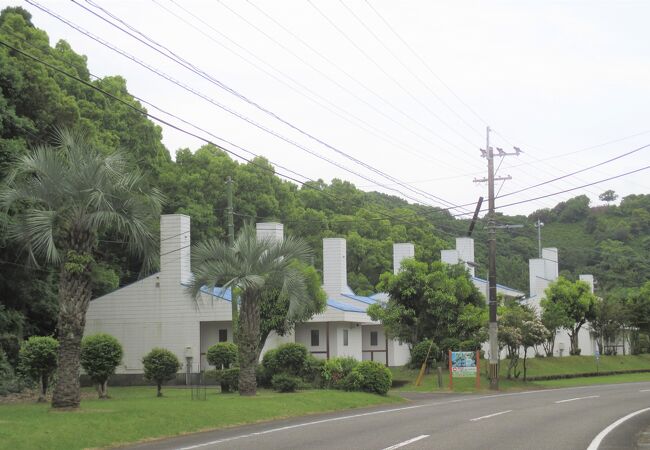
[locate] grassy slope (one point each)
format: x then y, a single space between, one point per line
135 414
536 367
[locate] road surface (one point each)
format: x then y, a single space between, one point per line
570 418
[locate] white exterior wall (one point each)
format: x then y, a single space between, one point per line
550 257
465 249
400 253
270 230
449 256
381 343
589 279
398 353
535 272
335 271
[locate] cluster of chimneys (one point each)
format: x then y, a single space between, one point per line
175 249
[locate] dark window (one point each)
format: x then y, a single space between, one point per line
223 335
345 337
373 338
315 338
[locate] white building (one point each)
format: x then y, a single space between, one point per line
157 311
542 272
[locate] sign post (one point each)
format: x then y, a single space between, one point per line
464 365
597 355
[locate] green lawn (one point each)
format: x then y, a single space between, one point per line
536 367
134 413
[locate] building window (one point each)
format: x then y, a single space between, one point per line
315 338
223 335
345 338
373 338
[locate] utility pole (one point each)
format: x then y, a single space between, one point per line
492 257
231 241
539 226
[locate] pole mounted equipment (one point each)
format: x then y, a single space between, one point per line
488 153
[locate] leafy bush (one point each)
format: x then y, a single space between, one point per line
229 379
9 382
419 353
38 361
312 372
291 358
160 365
351 382
284 382
100 355
222 355
336 370
270 361
372 377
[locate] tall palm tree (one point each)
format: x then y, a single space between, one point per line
59 199
251 265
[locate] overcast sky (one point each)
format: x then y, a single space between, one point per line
405 87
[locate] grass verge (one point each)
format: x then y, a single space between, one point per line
135 414
536 367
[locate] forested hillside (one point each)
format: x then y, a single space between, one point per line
608 241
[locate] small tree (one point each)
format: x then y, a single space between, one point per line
608 196
100 356
533 333
223 355
160 365
552 319
576 306
38 361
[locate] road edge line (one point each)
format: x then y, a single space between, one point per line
600 436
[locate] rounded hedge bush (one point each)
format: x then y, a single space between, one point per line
229 379
291 358
373 377
222 355
284 382
160 365
38 361
336 370
419 353
100 355
270 362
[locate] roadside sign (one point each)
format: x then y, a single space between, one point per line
464 365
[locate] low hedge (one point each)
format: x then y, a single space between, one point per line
585 374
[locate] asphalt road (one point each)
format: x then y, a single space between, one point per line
568 418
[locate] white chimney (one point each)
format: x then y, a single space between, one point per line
400 253
270 230
175 249
536 270
335 271
449 256
465 249
550 257
589 279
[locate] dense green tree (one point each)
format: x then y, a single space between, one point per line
60 199
100 355
160 365
608 196
248 266
430 301
38 361
576 303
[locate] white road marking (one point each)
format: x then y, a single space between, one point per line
599 438
577 398
644 390
384 411
490 415
410 441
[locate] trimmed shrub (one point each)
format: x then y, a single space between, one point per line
291 358
419 353
222 355
373 377
229 379
270 362
100 355
38 361
284 382
351 382
312 372
336 370
160 365
9 382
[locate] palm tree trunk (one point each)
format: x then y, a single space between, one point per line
74 296
249 327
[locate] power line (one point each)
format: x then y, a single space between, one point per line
197 71
577 171
189 133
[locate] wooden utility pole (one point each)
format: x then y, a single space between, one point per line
231 241
492 258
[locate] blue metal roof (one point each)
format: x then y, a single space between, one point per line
217 291
361 298
481 280
343 306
